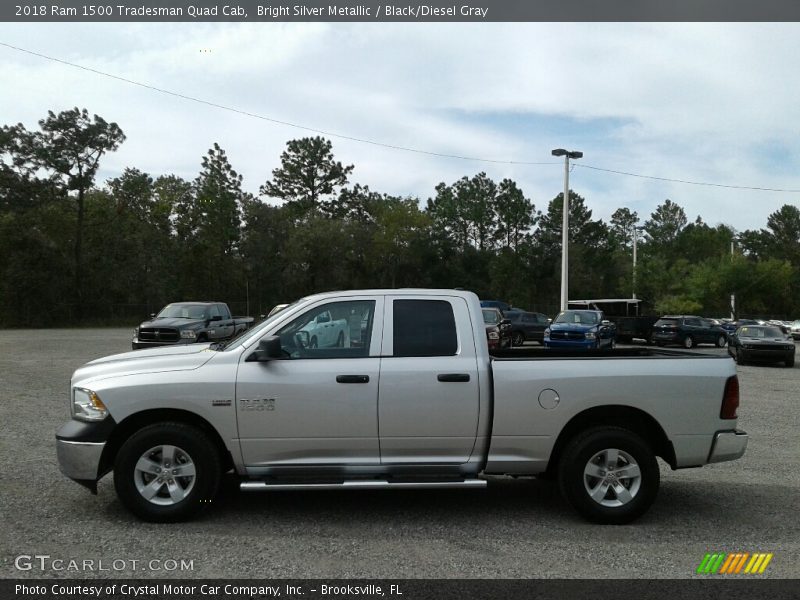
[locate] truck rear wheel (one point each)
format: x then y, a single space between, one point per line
167 472
609 475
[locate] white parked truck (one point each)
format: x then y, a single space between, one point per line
410 399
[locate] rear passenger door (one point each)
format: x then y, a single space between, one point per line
428 396
693 327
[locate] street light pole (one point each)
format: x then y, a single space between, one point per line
565 225
635 231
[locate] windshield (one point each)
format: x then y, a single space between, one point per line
491 317
183 311
257 330
578 317
760 332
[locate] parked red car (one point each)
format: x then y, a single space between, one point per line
498 328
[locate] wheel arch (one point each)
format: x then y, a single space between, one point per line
133 423
627 417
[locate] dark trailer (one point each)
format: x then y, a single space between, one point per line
626 313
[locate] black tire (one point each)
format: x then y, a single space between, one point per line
789 362
191 442
721 341
688 342
574 482
517 338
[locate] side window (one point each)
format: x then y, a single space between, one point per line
424 328
214 311
334 330
692 322
224 311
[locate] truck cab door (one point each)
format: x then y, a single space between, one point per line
316 406
428 396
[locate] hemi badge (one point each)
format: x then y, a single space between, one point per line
220 403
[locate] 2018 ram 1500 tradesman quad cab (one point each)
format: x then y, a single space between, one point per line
411 399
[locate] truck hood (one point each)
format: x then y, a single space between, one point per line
173 322
571 327
151 360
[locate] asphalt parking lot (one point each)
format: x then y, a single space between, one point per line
513 529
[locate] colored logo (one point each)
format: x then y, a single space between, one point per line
735 563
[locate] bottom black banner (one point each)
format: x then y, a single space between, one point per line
400 589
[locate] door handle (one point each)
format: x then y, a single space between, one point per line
352 379
453 377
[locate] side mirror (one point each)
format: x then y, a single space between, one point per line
269 348
505 322
605 322
152 315
216 318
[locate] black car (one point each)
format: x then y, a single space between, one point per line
688 331
527 326
761 342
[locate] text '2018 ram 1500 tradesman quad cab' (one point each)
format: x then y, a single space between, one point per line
410 399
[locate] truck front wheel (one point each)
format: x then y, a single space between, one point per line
609 475
167 472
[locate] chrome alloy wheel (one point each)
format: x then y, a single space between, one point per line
164 475
612 477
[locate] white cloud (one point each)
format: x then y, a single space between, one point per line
699 102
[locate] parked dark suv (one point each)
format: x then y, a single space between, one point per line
688 331
527 326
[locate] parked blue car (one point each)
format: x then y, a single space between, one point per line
583 329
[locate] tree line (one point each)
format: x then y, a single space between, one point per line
77 251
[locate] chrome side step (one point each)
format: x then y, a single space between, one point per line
262 486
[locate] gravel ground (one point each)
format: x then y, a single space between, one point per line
515 528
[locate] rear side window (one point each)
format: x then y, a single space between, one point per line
667 322
424 328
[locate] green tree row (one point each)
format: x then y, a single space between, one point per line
74 250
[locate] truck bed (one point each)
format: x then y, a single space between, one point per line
540 353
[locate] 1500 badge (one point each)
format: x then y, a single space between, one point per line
257 403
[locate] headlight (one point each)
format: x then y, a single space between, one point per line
87 406
493 335
590 335
547 332
135 331
188 334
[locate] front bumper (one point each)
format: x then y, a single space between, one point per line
728 445
136 343
79 448
770 354
80 460
560 343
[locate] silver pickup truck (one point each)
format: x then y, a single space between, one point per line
410 399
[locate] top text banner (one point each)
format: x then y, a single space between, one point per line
381 10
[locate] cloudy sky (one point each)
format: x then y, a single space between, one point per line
716 103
